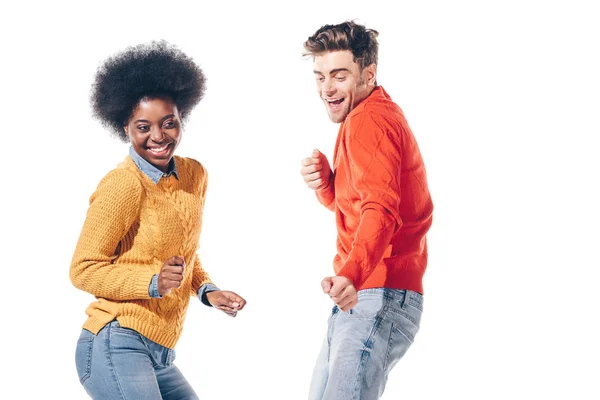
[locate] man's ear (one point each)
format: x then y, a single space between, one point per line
371 74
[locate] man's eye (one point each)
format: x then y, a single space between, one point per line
340 78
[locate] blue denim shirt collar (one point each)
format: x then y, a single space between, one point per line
150 170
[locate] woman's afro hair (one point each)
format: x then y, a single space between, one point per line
147 70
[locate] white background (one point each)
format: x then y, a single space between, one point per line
503 99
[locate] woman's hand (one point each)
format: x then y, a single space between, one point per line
228 302
171 275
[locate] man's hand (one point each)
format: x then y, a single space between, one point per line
171 275
228 302
316 171
341 290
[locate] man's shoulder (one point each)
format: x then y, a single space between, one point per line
384 114
378 106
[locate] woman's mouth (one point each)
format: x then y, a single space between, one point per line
159 151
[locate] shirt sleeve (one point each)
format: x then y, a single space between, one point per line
204 289
326 196
375 157
114 207
153 289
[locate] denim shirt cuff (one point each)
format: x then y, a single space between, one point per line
153 289
204 289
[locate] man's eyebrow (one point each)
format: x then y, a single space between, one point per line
333 71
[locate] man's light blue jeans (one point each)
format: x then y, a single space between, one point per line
364 344
119 363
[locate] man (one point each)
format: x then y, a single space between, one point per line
378 191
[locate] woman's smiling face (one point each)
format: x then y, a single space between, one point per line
154 130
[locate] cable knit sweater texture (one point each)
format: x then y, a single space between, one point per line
132 226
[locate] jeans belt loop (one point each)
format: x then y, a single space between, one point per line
406 299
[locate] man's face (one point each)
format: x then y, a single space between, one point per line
341 83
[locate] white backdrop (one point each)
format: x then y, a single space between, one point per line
503 99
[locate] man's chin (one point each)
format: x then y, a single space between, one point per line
336 118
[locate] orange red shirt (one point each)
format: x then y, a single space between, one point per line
380 197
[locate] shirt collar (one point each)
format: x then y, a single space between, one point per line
377 94
150 170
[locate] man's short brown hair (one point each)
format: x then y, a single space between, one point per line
362 42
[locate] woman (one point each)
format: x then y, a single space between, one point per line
137 249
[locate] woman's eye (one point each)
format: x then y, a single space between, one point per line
143 128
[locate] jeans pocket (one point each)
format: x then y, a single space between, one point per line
83 355
406 320
367 307
401 338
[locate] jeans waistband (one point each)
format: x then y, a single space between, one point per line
406 296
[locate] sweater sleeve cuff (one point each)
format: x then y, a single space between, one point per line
353 272
204 289
326 196
142 285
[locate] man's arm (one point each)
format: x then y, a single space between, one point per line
375 156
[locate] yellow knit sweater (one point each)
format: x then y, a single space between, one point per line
132 226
